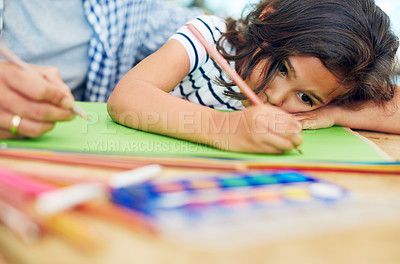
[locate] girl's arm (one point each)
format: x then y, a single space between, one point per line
141 100
369 116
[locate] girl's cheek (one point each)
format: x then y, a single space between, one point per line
294 106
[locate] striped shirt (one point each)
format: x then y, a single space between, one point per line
199 85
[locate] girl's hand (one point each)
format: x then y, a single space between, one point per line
257 129
319 118
38 99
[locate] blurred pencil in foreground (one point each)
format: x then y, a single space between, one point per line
117 215
72 227
18 212
21 224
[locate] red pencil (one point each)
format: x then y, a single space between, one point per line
216 56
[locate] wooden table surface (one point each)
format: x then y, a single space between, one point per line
377 242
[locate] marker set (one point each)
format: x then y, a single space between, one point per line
226 197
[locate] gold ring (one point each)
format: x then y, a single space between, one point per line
15 122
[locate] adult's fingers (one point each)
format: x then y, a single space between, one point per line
36 110
6 134
52 75
26 128
32 85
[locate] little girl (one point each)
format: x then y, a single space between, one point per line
314 63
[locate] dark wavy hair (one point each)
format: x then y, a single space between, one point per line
352 38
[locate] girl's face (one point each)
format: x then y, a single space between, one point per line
303 84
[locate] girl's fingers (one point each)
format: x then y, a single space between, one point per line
273 119
315 119
264 129
285 125
296 139
267 148
279 143
284 133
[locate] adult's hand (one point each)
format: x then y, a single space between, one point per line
31 103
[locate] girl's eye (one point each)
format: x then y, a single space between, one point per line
283 70
306 99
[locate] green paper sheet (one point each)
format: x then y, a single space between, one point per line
102 135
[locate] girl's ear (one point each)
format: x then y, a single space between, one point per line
269 9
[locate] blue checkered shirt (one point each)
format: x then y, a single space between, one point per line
126 31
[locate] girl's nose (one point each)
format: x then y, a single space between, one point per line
275 96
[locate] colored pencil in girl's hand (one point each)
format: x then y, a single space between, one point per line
217 57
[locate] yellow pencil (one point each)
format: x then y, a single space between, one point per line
72 227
